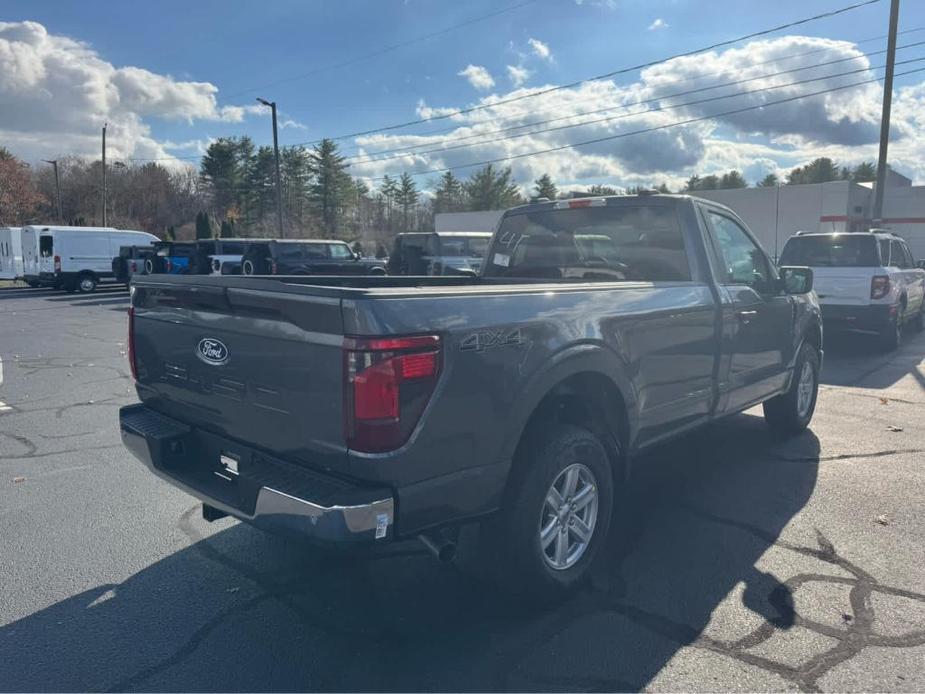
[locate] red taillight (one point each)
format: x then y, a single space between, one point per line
57 263
134 266
879 286
167 265
387 384
131 342
272 267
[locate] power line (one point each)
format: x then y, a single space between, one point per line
659 109
606 75
781 59
653 128
613 73
647 130
383 50
416 150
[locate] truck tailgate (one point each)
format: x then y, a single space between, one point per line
842 285
251 365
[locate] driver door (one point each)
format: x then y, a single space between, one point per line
757 315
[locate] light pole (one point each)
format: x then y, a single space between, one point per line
279 187
885 115
105 125
54 163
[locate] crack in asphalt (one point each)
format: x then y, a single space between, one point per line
846 456
856 635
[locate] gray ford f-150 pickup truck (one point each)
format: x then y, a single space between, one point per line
366 410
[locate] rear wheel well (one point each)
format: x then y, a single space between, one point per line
589 400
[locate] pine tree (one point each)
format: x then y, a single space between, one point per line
693 183
227 230
203 226
491 189
407 197
821 170
330 185
545 188
388 190
448 194
864 172
733 179
768 181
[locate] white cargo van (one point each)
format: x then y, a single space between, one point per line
75 258
10 253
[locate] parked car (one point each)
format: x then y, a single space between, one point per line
11 253
131 262
307 257
866 281
438 253
74 258
368 410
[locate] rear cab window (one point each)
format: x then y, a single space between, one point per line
627 242
831 250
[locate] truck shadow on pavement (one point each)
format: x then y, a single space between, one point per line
685 580
860 360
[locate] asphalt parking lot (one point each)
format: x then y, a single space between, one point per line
745 564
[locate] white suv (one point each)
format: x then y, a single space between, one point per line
866 281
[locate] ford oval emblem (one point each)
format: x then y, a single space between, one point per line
212 351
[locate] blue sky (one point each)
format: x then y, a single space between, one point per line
243 48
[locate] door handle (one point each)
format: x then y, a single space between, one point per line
745 317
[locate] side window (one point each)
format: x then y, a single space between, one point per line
909 259
884 252
744 261
897 255
46 246
339 251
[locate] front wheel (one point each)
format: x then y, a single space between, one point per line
556 514
86 283
790 413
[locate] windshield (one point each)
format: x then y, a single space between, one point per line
835 250
626 242
478 246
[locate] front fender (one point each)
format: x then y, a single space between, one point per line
585 357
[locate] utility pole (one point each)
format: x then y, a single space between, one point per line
105 125
54 163
279 187
885 117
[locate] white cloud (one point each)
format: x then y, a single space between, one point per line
517 74
57 93
290 124
478 76
842 124
659 23
540 49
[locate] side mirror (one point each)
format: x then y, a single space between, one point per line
796 280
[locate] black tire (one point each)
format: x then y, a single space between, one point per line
519 560
86 282
247 267
33 284
891 336
785 414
